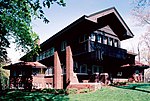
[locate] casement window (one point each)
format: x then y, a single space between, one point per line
45 54
83 38
63 46
95 69
83 68
116 44
49 71
14 73
99 39
105 40
63 69
41 57
110 42
38 58
75 66
50 52
119 74
93 37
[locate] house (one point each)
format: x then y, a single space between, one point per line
95 43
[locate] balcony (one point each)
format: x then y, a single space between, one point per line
109 51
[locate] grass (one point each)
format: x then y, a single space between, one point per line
131 92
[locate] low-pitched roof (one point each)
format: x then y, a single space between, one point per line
25 64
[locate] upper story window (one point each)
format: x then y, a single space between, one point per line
93 37
49 71
116 43
99 39
45 54
63 46
83 38
50 52
110 42
83 68
105 40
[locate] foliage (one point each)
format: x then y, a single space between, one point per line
15 23
86 90
31 96
4 74
54 91
72 91
144 48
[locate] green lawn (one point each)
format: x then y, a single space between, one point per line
132 92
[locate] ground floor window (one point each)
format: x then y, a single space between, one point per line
49 71
83 68
95 69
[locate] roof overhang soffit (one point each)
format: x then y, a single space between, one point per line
112 18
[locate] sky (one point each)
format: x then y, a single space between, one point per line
60 17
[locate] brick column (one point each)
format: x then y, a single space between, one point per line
57 72
70 75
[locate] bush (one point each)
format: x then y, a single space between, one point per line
84 91
54 91
118 84
72 91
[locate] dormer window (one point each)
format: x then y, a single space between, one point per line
63 45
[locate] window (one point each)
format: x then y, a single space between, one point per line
110 41
95 69
105 40
38 58
63 45
83 38
92 37
50 52
83 68
119 74
14 74
63 69
44 55
99 38
49 71
116 43
75 66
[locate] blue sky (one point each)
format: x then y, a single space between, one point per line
60 17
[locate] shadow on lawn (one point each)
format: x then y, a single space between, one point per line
32 96
137 87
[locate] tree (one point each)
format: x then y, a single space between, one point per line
141 11
15 23
144 47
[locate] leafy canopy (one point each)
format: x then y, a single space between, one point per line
15 23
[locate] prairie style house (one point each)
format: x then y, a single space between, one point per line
95 41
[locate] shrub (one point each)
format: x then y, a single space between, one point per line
53 91
72 91
84 90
